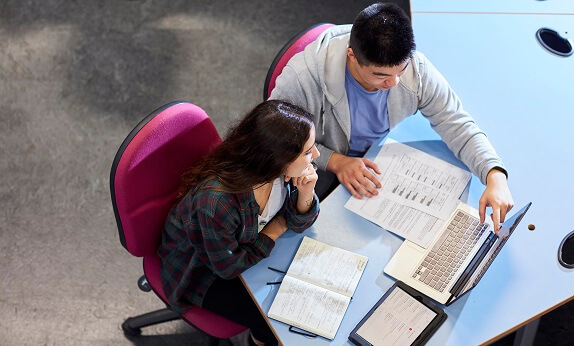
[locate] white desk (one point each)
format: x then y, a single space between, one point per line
494 6
521 96
476 317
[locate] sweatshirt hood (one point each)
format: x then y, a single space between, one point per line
323 57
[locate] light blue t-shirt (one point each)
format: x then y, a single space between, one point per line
369 116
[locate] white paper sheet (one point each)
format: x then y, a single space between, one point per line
418 193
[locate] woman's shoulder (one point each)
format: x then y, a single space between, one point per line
210 196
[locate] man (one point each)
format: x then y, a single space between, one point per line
360 81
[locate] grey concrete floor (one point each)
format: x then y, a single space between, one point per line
75 78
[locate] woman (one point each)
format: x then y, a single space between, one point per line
234 204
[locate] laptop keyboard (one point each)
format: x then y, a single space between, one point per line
450 251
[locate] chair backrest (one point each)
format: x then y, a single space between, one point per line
294 46
148 167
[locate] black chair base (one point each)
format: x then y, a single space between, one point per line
132 326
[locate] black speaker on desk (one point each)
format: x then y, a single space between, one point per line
566 251
553 42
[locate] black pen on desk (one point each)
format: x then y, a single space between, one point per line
277 270
274 283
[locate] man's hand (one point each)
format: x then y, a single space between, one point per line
354 174
497 196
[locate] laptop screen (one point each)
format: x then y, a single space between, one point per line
476 272
510 224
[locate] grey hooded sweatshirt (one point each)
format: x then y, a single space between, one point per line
315 80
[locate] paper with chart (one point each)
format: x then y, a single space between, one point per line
418 193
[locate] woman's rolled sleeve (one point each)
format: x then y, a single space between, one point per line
295 221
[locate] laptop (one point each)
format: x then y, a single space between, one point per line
457 258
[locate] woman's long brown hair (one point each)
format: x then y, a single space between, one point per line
256 150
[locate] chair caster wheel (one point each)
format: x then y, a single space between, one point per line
143 284
130 331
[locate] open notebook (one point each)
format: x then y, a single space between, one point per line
458 257
317 288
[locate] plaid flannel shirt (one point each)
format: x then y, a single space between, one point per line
210 233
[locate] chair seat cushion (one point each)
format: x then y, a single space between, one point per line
205 320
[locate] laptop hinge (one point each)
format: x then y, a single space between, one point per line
473 265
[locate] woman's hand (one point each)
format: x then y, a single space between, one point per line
305 184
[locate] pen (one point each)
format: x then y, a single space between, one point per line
277 270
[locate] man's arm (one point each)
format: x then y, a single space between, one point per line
440 104
443 108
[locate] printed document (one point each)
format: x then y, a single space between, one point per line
418 193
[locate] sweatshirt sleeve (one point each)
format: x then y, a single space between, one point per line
443 108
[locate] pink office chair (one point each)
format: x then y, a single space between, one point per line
145 175
294 46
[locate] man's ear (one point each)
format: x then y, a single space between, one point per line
351 55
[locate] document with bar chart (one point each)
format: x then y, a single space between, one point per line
418 193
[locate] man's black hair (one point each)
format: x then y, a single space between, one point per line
382 35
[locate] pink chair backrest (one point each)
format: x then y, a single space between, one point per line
294 46
148 167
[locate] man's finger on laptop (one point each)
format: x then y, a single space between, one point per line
495 219
482 210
